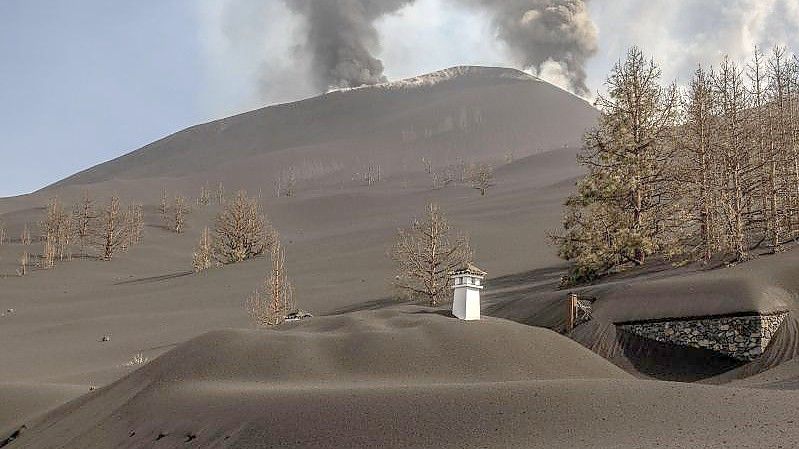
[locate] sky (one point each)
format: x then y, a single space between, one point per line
85 81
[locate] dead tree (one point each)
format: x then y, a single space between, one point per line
205 197
84 220
737 169
179 211
220 194
25 236
55 229
286 183
699 174
163 208
48 252
24 260
204 254
135 224
112 235
269 305
481 178
425 254
241 231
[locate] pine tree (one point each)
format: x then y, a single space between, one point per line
622 212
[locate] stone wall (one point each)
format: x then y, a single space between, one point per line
743 337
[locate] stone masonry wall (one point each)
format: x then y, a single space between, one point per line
740 337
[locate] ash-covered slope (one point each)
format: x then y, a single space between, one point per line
404 378
462 112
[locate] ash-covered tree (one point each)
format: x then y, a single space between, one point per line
699 176
241 231
204 253
481 177
734 144
135 223
425 254
112 234
163 208
84 220
179 212
269 305
621 212
55 233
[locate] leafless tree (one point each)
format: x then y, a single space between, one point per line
25 236
425 254
241 231
205 196
286 183
700 174
269 305
112 234
737 163
179 211
55 229
84 220
24 260
481 177
135 224
204 254
163 208
220 194
48 252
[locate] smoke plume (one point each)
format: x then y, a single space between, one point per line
553 37
341 39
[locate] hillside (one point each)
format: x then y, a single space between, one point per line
90 323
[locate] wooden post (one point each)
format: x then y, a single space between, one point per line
572 304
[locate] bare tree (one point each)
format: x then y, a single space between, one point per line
135 218
481 178
204 254
25 236
286 183
49 252
163 208
241 231
269 305
179 211
700 171
220 194
737 167
425 254
84 220
112 235
205 197
24 260
55 228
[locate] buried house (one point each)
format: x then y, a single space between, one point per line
742 336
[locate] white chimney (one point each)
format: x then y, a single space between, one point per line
466 285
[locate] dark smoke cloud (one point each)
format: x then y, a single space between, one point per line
342 39
546 35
